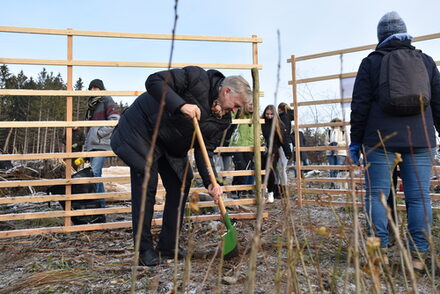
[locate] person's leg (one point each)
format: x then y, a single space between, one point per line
173 199
331 159
97 163
415 171
136 197
240 164
378 181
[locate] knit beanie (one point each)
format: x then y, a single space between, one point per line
97 83
391 23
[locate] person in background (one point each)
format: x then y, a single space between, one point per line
98 138
243 136
336 136
280 139
408 128
286 116
303 154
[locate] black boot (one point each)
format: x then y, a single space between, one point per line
169 254
276 192
149 257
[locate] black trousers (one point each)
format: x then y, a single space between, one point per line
241 161
173 184
272 169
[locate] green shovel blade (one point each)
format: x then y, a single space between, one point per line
230 237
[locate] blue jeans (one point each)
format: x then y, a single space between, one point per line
335 160
97 163
415 171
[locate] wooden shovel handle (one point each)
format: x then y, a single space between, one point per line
208 163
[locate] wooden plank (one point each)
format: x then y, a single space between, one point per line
359 48
320 125
338 180
44 31
62 213
325 101
237 149
323 148
325 78
32 156
51 182
65 93
112 210
330 167
114 225
92 63
85 123
28 199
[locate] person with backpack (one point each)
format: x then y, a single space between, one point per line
395 106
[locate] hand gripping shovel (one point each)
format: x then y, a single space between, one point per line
230 248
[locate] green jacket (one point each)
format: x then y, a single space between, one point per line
243 134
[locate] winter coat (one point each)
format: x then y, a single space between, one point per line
98 138
287 118
277 141
336 137
367 117
131 139
302 143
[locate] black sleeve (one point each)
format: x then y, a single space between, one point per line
435 95
171 83
361 102
285 142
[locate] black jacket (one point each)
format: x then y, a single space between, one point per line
367 118
131 139
277 141
287 118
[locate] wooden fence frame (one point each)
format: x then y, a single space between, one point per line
297 126
67 156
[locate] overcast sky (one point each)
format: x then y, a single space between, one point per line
306 27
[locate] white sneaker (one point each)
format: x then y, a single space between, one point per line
270 197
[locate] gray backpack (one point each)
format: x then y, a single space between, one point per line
404 85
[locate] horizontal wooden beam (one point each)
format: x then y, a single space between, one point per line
112 210
70 32
330 167
124 63
325 101
321 125
66 93
121 179
357 49
322 148
325 78
86 123
33 156
117 225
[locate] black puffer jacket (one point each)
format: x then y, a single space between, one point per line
287 118
131 138
277 141
367 117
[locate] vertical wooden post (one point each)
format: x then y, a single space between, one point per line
296 130
69 108
256 122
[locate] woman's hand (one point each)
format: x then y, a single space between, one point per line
215 191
